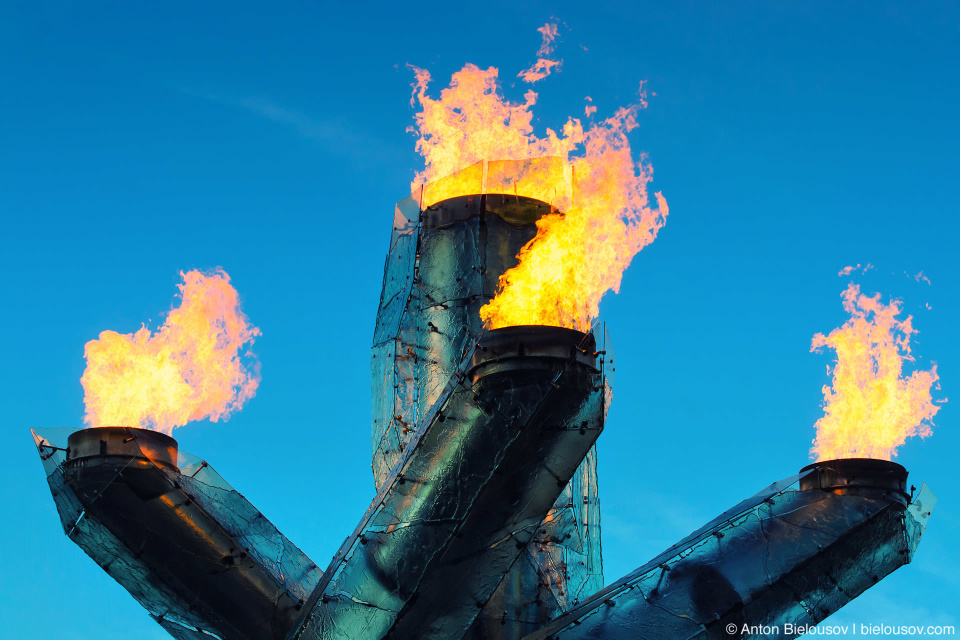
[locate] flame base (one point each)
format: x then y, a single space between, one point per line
857 476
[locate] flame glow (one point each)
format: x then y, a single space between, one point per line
190 369
589 110
544 66
578 255
871 409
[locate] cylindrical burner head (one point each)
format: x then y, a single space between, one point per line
531 348
98 443
857 476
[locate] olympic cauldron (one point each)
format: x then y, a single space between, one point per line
485 522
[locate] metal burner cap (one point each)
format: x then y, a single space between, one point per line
533 347
857 476
131 442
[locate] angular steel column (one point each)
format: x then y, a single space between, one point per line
444 264
194 552
794 553
474 484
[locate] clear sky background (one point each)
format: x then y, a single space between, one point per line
790 139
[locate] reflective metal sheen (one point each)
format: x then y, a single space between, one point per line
794 553
193 551
445 262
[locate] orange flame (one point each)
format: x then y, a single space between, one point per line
871 409
544 66
190 369
590 109
576 256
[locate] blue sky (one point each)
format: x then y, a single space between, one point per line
790 140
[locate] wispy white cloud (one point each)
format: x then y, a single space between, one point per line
328 132
336 135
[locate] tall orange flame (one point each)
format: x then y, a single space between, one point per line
578 255
871 409
191 369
